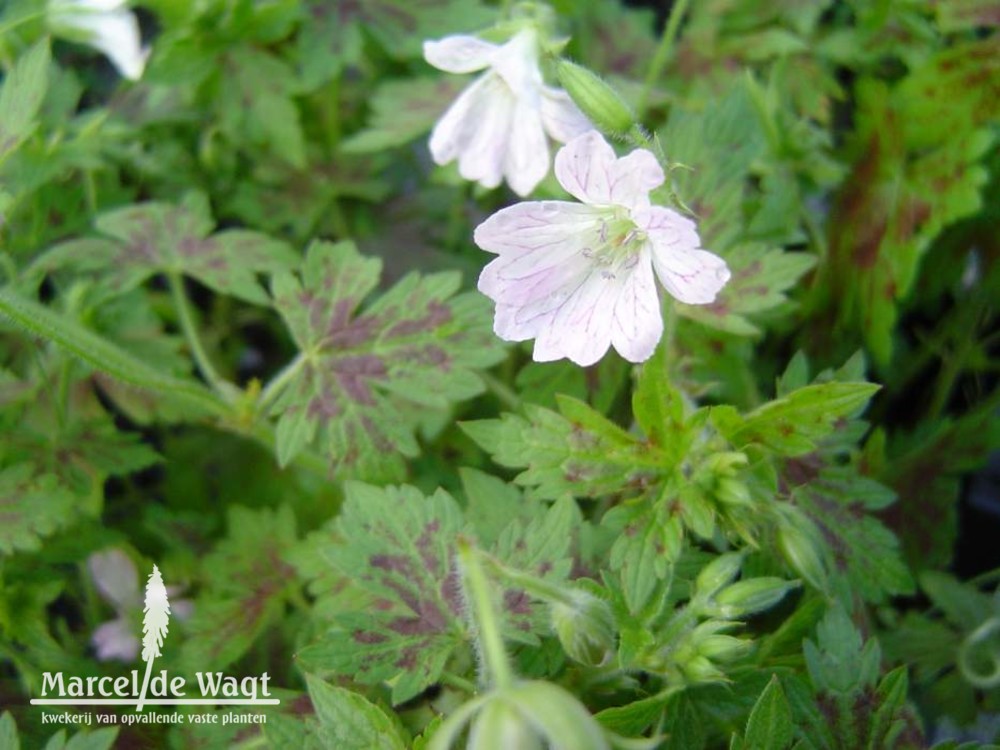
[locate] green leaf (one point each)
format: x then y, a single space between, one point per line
8 732
916 171
99 739
839 662
21 97
33 505
794 424
399 547
578 451
760 278
102 354
350 721
838 501
364 375
401 110
256 103
966 15
770 724
148 238
247 582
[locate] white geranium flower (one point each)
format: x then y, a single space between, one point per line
497 127
578 277
117 581
107 26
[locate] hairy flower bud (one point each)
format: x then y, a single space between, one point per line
499 726
801 550
596 99
586 629
750 596
718 573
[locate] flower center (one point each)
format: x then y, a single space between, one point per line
615 248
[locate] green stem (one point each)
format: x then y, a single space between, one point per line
274 388
494 656
534 585
502 391
662 54
459 683
186 319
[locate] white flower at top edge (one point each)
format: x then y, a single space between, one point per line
107 26
497 127
579 277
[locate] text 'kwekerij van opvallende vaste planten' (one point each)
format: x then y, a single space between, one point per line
493 374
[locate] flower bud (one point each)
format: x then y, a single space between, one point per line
700 669
733 492
722 647
747 597
596 99
801 551
557 715
718 573
499 726
586 628
724 464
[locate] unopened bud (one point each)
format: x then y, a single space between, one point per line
718 573
747 597
722 647
557 716
801 552
596 99
733 492
700 669
724 464
586 628
499 726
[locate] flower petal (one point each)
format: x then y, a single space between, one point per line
116 578
691 275
111 30
516 62
563 120
459 53
455 129
638 322
115 640
527 160
483 159
580 329
588 169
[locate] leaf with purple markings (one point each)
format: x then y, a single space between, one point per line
398 546
398 606
138 241
360 374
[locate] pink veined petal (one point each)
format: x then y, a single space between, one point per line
583 167
527 160
638 322
115 640
563 120
116 578
634 176
588 168
484 157
691 275
459 53
667 227
457 126
536 225
580 329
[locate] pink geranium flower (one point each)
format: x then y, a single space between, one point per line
579 277
497 127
